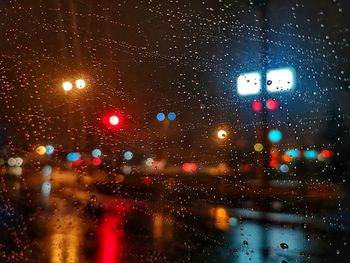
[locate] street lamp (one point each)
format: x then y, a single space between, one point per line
67 86
79 84
222 134
114 120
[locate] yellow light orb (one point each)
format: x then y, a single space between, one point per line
222 134
41 150
80 83
67 86
258 147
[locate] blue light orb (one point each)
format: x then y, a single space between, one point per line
233 221
73 156
160 116
46 189
294 153
275 136
128 155
172 116
49 149
47 170
310 154
284 168
96 153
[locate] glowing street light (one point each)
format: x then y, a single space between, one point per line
222 134
80 83
114 120
277 80
67 86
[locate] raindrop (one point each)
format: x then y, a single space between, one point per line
284 246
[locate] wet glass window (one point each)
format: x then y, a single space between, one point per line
174 131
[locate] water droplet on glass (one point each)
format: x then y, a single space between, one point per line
284 246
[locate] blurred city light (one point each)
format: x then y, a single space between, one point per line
222 134
47 170
310 154
11 161
149 162
172 116
46 189
275 136
96 153
114 120
97 161
67 86
19 161
80 83
284 168
293 153
189 167
272 104
128 155
327 153
258 147
160 116
41 150
257 105
49 149
249 83
280 79
73 156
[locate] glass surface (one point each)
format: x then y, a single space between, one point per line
131 131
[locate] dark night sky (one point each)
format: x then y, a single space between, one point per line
141 57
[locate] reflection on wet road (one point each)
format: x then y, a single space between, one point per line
48 218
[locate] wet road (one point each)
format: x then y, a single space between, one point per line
66 217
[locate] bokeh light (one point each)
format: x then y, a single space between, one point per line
96 161
49 149
96 153
114 120
275 136
80 83
67 86
149 162
222 134
126 169
310 154
189 167
257 106
160 116
128 155
272 104
293 153
172 116
73 156
46 189
258 147
47 170
41 150
284 168
11 161
19 161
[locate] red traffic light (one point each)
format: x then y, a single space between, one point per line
112 120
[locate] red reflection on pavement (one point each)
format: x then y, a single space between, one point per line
110 234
